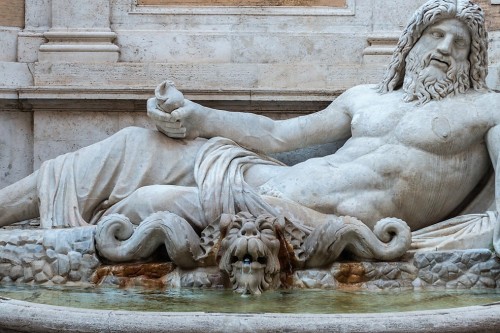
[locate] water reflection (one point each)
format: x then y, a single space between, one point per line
209 300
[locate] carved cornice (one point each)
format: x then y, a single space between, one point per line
68 45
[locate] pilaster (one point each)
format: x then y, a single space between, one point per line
80 32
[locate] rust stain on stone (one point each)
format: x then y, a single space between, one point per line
144 274
351 273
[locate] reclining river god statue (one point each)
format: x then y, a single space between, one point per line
419 147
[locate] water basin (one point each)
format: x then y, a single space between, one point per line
225 301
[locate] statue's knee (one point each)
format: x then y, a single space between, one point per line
144 194
158 195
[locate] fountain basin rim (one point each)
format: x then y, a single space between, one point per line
22 316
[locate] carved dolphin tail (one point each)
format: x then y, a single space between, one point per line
118 241
390 239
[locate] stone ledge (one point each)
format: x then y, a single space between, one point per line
125 99
19 316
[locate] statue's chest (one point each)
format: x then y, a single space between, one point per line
443 131
446 130
374 122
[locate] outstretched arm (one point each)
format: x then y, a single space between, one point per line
254 131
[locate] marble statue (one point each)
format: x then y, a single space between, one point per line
418 146
250 250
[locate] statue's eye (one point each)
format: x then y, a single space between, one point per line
437 34
460 42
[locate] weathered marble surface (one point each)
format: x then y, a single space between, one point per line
68 256
414 154
254 252
18 316
48 256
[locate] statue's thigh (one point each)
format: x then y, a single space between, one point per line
180 200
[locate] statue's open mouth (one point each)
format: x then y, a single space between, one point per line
247 263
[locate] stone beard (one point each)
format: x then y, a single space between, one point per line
424 82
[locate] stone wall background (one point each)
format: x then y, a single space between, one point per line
12 13
331 3
492 13
75 72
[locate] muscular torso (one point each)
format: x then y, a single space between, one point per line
417 163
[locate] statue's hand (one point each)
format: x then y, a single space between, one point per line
171 112
164 121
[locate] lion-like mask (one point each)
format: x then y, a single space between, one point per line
250 252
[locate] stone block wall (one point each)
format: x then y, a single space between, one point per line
12 13
65 256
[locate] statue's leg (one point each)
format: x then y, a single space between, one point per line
69 189
180 200
19 201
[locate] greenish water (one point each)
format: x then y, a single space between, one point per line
208 300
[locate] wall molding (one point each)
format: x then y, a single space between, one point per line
349 10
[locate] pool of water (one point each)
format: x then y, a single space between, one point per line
209 300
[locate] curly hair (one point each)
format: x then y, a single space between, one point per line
428 14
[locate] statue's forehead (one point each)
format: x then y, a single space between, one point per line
452 25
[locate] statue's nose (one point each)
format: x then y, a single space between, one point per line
445 45
248 229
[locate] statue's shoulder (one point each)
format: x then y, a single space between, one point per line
360 97
362 90
485 100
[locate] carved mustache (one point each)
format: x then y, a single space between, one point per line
437 57
249 250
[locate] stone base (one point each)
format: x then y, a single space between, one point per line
68 256
59 256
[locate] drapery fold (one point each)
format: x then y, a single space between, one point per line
219 173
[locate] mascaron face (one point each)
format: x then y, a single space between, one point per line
446 42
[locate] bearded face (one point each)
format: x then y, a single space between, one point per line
438 64
251 253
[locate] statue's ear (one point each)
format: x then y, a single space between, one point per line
225 221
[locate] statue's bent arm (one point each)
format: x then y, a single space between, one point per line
271 136
253 131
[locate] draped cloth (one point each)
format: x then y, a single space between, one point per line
219 170
75 189
472 231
